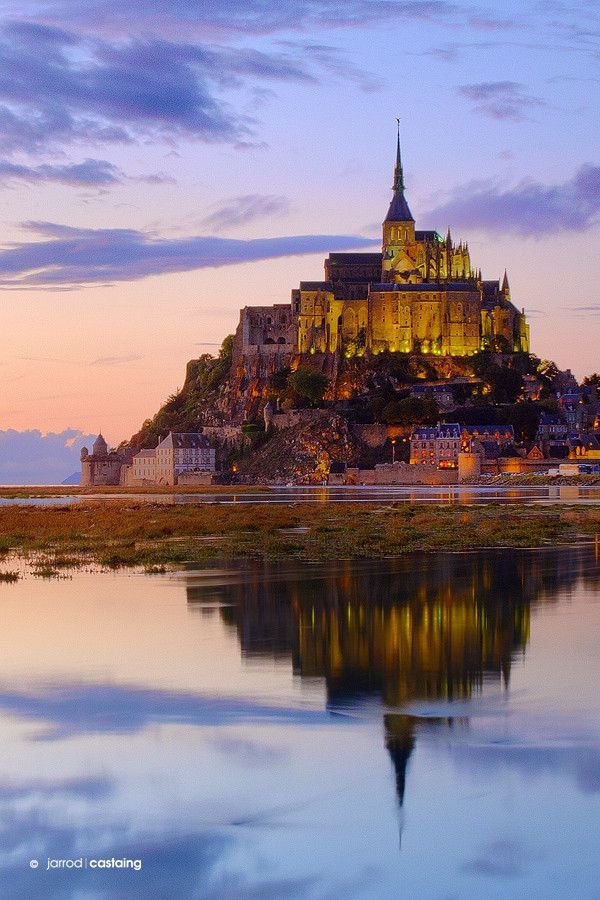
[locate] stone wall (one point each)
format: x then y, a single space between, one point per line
105 471
510 464
297 417
195 478
469 466
223 434
397 473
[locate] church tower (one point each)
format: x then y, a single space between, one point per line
399 250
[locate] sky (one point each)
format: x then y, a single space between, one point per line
164 164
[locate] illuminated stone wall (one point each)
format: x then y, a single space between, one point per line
435 319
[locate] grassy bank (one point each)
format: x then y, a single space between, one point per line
68 490
524 480
123 532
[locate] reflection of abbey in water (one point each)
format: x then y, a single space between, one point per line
393 629
415 628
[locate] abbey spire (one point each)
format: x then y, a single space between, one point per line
399 210
398 184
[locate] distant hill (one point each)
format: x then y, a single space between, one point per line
72 479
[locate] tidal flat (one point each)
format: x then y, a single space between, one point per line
426 726
114 533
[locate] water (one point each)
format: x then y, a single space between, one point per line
452 494
421 728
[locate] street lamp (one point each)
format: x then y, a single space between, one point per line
393 450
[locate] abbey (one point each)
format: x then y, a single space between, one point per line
420 295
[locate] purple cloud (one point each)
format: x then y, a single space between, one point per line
582 312
245 209
30 457
504 100
123 73
69 256
115 360
89 173
491 23
230 17
334 61
57 87
500 859
108 708
531 208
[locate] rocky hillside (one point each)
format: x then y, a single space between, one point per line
302 453
362 389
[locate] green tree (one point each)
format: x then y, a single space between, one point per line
278 380
524 417
547 372
479 413
219 369
505 384
410 411
309 384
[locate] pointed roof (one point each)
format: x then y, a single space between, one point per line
100 447
399 210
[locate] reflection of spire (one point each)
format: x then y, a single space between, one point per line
400 743
506 673
400 739
410 628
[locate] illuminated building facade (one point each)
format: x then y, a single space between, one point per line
420 295
436 445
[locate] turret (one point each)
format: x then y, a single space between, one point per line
100 447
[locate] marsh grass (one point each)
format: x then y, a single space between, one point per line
120 532
48 572
9 577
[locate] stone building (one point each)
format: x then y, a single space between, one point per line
420 295
178 457
500 435
102 466
436 445
143 467
182 454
